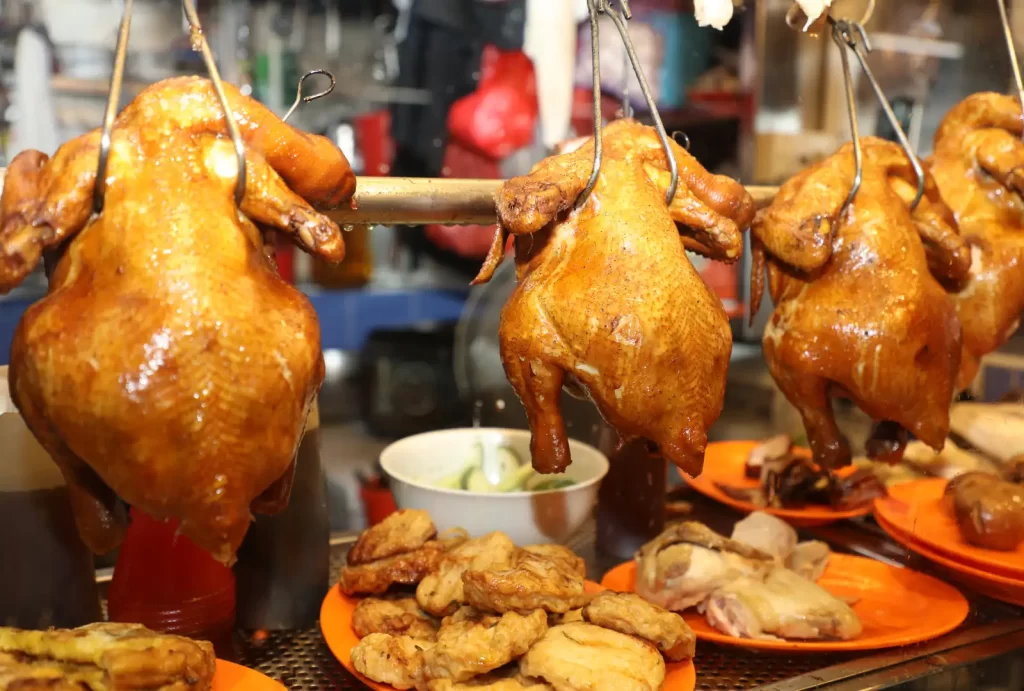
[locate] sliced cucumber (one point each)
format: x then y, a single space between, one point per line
477 482
516 482
552 483
453 481
476 455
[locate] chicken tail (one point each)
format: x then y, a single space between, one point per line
494 257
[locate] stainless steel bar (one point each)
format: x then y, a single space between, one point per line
446 201
1011 48
113 100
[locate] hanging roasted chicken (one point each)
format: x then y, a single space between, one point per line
858 309
608 304
169 364
978 165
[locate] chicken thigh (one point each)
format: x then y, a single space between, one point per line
608 304
168 363
858 309
978 166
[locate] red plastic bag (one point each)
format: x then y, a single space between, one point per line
501 115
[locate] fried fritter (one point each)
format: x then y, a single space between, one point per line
401 532
505 679
630 614
573 562
532 581
376 577
104 657
394 660
393 616
583 656
471 643
570 616
441 592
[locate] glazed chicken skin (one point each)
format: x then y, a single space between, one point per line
978 165
608 304
858 310
169 364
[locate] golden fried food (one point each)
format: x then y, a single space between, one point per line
169 364
573 562
394 616
631 614
583 656
103 657
471 643
554 619
394 660
441 592
858 307
530 582
608 304
505 679
403 531
410 568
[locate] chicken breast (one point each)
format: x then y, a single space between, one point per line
780 605
578 656
632 615
767 533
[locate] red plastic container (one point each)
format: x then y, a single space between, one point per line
165 582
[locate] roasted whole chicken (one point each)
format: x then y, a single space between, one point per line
169 364
858 309
978 165
608 304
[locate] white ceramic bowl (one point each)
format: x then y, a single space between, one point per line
527 517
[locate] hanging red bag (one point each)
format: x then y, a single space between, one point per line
501 115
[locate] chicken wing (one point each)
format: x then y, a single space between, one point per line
169 364
608 304
858 311
978 165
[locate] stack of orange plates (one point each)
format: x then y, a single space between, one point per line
915 516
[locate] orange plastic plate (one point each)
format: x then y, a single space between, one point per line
895 606
724 463
336 625
916 508
232 677
991 584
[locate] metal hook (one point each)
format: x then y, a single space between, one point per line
1012 48
113 100
686 139
851 105
199 43
860 45
595 57
299 98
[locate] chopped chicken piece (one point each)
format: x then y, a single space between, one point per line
631 614
767 533
859 311
401 532
393 616
441 592
608 304
394 660
780 605
948 463
809 559
471 643
682 566
531 581
376 577
578 656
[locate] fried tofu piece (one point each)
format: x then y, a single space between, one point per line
505 679
440 593
532 581
471 643
375 577
394 616
578 656
404 531
630 614
394 660
571 561
104 657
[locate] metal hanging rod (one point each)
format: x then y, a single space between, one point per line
1011 47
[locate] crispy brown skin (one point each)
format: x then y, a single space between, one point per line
989 510
631 614
978 164
857 309
169 364
393 616
531 582
607 302
404 569
471 643
108 656
403 531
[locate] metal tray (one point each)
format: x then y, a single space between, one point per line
301 660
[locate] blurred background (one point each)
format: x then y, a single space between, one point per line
484 89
